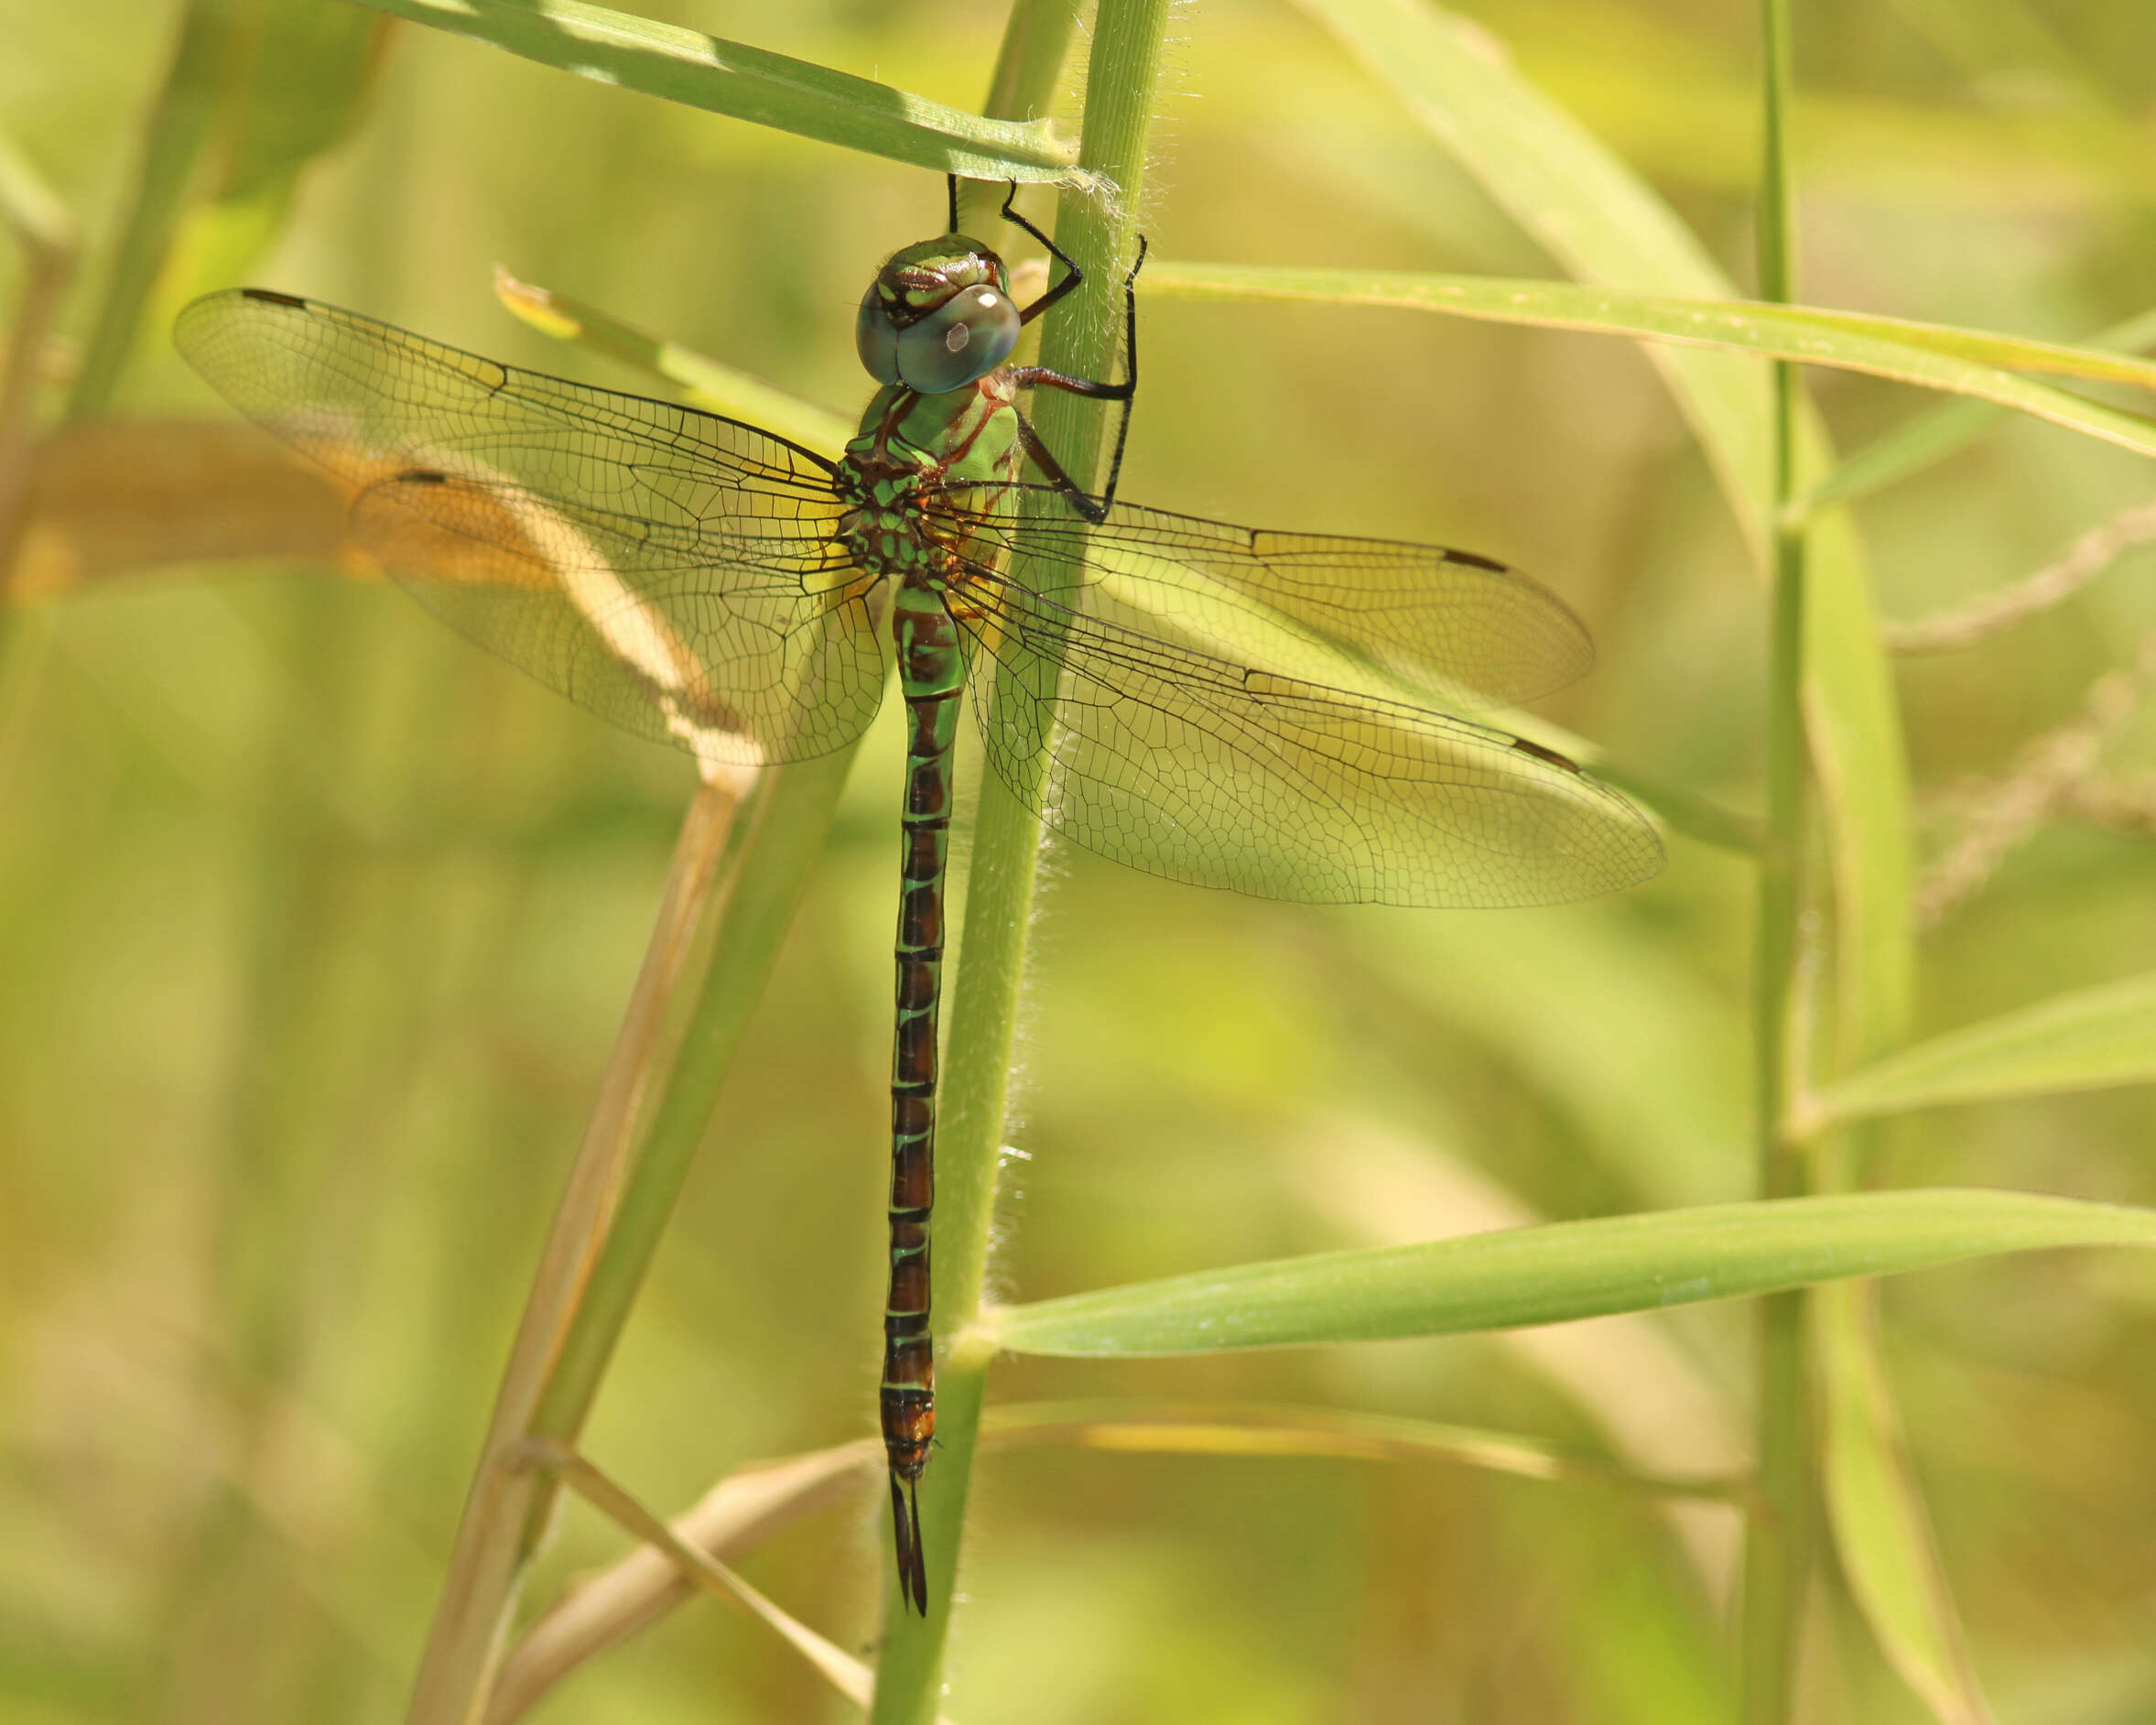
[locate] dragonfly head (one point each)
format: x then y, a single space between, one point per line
938 317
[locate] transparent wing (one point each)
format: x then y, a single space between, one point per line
674 571
1212 773
1467 632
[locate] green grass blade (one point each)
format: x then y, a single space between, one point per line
1781 1537
1606 225
172 142
1882 1537
1945 430
753 84
257 91
1559 1272
1934 356
1942 431
704 382
2090 1039
1037 37
304 72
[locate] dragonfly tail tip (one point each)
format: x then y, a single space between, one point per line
905 1529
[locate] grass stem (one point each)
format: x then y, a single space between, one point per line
1081 339
1778 1549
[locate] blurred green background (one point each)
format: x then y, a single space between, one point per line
315 924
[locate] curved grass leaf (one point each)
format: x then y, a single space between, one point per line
2089 1040
258 92
1937 356
1882 1537
1559 1272
1604 224
704 382
296 86
172 141
1589 211
753 84
1942 430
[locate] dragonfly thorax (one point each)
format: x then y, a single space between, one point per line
919 467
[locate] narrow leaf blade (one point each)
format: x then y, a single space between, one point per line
752 85
2089 1040
1974 363
1559 1272
1881 1532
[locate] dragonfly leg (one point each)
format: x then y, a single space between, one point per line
950 184
1072 273
1094 509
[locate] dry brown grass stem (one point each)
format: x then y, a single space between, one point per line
601 1612
489 1552
2126 804
844 1673
2051 775
2079 564
735 1515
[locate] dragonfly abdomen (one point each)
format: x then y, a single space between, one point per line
931 672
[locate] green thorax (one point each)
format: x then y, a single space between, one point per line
919 466
963 438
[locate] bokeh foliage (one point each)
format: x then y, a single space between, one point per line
316 925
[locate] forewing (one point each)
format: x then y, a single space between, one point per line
1463 630
657 631
673 571
1205 771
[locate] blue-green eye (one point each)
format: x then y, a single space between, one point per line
961 340
874 337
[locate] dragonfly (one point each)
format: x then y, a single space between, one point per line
1277 713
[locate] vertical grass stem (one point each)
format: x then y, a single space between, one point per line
1082 338
1778 1543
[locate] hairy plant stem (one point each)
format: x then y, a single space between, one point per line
1081 339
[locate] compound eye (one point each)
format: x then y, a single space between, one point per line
874 339
960 342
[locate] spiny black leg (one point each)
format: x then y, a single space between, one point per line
905 1525
950 183
1122 431
1040 376
1073 274
1052 470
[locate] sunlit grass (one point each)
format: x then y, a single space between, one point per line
318 928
